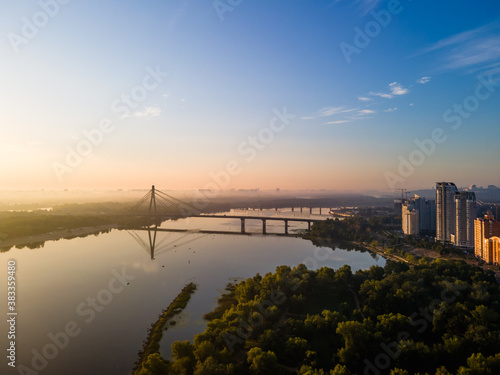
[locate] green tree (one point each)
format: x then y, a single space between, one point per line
153 365
356 336
262 363
296 348
398 371
340 370
442 371
210 366
343 276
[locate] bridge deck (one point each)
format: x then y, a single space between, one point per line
258 218
202 231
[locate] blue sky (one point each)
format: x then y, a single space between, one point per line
225 68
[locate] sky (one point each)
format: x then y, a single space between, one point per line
296 94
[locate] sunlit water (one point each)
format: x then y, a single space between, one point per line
72 285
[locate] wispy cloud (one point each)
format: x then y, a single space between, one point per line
148 112
334 111
423 80
364 99
395 89
365 112
390 109
361 114
329 111
343 114
472 48
382 95
337 122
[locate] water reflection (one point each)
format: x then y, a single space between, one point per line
155 243
167 243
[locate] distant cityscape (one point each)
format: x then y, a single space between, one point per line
453 218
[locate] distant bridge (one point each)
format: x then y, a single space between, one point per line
264 219
156 204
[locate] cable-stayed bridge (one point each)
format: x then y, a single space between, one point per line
156 205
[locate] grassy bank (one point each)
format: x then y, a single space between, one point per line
152 343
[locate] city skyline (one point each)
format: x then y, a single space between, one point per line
370 95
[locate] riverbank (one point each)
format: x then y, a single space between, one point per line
25 241
151 344
379 250
321 241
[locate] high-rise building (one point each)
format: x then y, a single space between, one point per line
465 206
419 216
410 218
445 211
492 250
484 229
426 215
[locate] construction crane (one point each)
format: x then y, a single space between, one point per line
402 194
407 192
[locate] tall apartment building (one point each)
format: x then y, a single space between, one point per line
419 216
492 250
445 211
465 207
426 215
484 229
410 220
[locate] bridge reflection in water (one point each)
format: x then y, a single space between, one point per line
155 244
166 243
157 207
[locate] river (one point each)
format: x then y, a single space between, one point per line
84 305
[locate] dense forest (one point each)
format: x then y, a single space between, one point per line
438 317
354 228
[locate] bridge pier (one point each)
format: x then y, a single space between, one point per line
263 226
309 226
310 210
320 210
242 225
292 209
300 209
286 226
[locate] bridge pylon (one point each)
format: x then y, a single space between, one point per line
157 206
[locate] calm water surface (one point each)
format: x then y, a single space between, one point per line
80 286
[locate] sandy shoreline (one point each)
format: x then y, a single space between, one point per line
55 235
